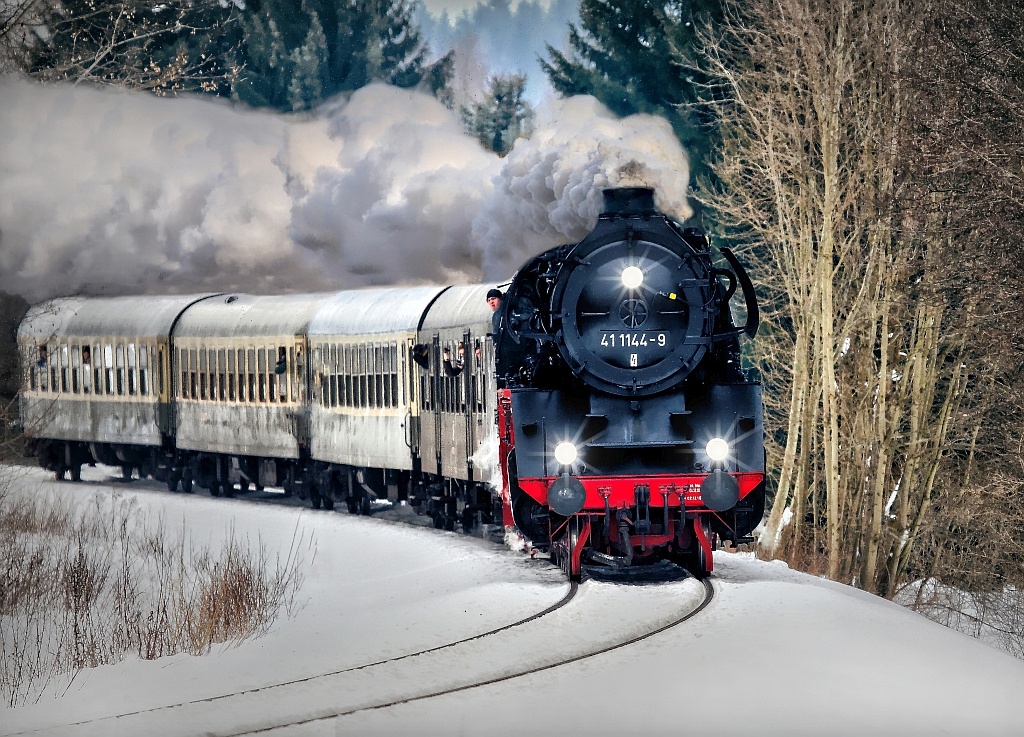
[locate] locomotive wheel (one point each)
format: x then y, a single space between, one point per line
561 549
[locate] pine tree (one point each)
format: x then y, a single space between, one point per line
305 87
295 55
503 115
631 54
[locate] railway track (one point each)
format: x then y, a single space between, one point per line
709 593
569 596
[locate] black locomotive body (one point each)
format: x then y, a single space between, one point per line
628 429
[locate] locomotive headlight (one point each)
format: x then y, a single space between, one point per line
565 453
632 277
717 449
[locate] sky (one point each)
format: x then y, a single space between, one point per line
500 37
455 7
777 652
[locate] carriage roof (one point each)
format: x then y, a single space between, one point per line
85 317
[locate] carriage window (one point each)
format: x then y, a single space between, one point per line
86 355
211 366
385 374
250 367
378 377
261 370
29 362
182 359
296 376
363 368
271 374
54 365
96 357
221 374
108 368
231 368
345 368
394 375
211 372
65 364
333 358
202 373
39 368
144 369
243 393
132 387
278 381
76 369
119 367
193 373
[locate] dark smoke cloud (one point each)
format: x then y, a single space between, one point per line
111 192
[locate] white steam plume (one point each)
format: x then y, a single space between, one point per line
111 192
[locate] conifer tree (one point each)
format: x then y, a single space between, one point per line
296 54
502 116
632 56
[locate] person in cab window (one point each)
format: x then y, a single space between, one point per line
494 302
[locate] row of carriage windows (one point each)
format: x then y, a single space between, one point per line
256 375
360 375
453 388
348 375
114 369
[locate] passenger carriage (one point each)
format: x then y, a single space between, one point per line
96 384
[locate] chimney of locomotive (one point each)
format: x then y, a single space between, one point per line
628 202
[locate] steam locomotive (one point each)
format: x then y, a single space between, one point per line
601 412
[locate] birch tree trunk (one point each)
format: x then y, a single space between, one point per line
813 104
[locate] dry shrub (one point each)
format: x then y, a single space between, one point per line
85 585
970 569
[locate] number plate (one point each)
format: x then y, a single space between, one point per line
634 339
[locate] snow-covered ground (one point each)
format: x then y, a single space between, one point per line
775 653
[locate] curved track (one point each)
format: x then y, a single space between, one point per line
569 596
709 593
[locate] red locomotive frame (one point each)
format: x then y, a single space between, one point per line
607 495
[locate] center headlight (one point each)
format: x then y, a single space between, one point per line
717 449
565 453
632 277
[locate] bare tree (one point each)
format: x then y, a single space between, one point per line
866 357
141 44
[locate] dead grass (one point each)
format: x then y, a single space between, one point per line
88 584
